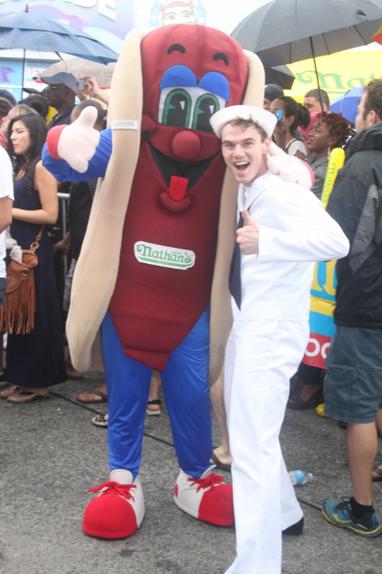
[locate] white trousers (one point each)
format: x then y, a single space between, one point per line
261 357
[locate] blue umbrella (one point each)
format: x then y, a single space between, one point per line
346 105
22 30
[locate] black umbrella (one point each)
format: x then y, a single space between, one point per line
286 31
28 32
280 75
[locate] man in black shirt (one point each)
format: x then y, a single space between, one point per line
353 384
61 95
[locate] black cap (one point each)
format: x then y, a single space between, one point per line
64 78
8 96
272 92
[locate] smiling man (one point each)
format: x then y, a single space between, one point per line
285 230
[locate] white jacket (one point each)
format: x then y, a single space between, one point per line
295 231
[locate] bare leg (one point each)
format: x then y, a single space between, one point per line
71 372
1 352
217 398
378 422
155 386
362 450
377 472
153 405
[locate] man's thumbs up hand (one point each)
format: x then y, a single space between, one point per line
248 235
77 142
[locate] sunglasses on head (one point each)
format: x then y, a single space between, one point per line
279 114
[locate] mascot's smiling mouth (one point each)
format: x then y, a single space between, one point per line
168 166
178 177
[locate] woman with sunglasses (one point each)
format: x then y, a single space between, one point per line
290 117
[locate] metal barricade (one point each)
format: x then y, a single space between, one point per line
64 201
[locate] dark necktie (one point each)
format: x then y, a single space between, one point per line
234 273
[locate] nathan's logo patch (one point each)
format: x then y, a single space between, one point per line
163 256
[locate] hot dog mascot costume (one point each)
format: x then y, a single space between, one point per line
156 251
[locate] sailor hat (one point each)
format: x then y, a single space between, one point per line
263 118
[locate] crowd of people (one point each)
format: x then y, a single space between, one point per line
350 385
36 213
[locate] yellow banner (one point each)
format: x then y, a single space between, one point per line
337 73
322 306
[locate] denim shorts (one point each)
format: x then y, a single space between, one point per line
353 381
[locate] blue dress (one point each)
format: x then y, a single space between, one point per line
37 360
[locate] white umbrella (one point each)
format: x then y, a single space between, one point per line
80 68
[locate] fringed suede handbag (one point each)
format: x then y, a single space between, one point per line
17 312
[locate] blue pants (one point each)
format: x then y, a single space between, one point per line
186 390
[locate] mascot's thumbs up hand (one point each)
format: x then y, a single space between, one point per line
289 168
75 143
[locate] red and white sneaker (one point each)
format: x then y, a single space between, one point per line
117 511
207 498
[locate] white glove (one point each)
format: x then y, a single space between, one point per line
289 168
78 141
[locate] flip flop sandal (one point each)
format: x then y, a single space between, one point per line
6 393
101 420
92 397
377 473
219 463
25 396
153 412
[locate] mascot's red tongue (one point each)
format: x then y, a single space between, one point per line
178 187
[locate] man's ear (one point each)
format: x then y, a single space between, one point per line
267 144
373 118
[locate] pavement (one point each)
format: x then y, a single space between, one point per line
50 454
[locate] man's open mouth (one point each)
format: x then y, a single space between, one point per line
241 165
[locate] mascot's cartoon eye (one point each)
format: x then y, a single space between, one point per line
205 106
221 56
178 76
176 48
186 103
216 83
177 108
